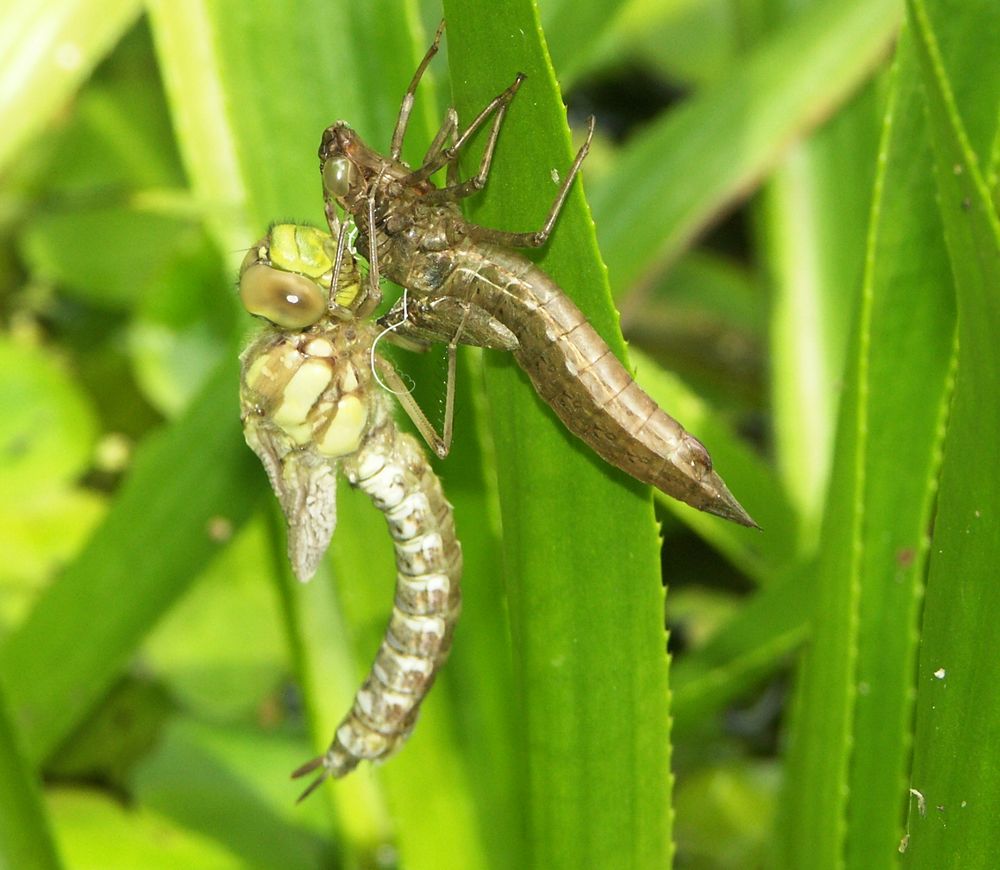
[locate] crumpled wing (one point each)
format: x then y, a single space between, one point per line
305 484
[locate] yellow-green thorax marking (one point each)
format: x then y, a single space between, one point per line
309 387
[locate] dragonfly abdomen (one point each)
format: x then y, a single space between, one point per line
391 468
576 373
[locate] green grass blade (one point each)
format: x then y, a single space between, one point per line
849 747
25 840
157 535
252 86
813 214
909 391
675 177
479 678
219 783
819 746
957 743
579 543
575 30
95 830
47 50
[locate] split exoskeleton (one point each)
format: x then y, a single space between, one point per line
464 285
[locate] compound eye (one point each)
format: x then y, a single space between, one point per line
288 300
339 176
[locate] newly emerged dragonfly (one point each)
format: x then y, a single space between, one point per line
465 285
311 410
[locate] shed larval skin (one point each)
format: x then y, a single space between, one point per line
464 287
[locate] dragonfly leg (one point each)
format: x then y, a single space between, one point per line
374 277
448 129
447 133
498 105
363 307
539 237
330 209
444 319
440 444
452 174
406 108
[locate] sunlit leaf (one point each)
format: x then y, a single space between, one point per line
48 49
579 544
958 700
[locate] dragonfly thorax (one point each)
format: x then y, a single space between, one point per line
309 388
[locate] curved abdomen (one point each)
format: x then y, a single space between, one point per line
574 371
392 469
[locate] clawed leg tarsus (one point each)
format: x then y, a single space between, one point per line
499 105
440 155
539 237
396 146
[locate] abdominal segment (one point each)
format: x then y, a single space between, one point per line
572 368
392 470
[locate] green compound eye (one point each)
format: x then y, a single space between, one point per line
339 174
288 300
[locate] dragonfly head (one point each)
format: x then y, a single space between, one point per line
342 161
286 277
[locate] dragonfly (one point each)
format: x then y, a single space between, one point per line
311 410
464 284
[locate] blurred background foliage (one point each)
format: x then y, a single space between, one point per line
797 205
